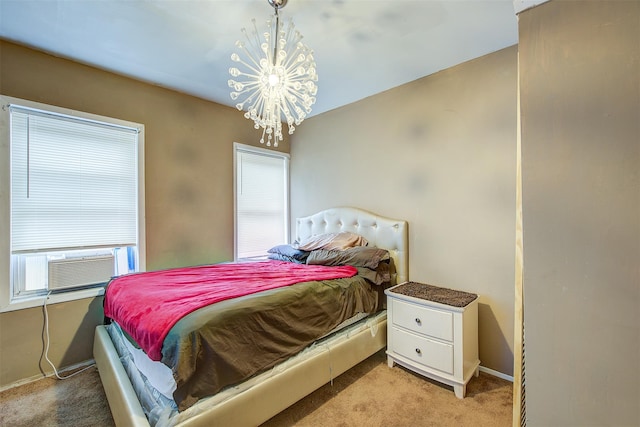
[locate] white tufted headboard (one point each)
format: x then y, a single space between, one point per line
381 232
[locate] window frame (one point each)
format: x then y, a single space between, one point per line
287 211
7 300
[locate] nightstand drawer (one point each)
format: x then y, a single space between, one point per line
423 320
429 353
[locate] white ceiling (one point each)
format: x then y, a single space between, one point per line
361 47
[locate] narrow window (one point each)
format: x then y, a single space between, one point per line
261 200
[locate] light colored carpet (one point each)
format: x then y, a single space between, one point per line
370 394
75 402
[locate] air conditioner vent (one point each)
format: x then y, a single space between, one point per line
78 272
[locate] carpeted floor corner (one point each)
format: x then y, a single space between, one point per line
78 401
370 394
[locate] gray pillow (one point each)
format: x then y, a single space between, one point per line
289 252
359 256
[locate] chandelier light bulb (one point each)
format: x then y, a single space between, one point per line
274 78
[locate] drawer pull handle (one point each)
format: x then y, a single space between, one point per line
418 351
418 321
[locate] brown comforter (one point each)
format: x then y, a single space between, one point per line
231 341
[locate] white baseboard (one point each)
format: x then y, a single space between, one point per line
48 374
496 373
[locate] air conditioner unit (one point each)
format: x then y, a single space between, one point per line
78 272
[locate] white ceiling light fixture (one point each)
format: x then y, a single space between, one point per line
277 82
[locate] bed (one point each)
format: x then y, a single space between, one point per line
264 395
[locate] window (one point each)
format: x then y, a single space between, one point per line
74 218
261 200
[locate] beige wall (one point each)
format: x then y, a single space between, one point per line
22 338
189 187
440 153
580 100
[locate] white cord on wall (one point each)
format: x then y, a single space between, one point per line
46 350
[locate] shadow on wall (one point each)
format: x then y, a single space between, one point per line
492 341
71 317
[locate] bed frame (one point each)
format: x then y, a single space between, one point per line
266 399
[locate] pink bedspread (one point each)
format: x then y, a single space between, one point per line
147 305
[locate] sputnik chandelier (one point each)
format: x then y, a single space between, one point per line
277 81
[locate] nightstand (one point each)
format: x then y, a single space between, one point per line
433 331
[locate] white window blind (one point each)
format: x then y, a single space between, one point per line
261 201
74 182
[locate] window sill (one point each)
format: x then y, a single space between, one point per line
38 301
252 259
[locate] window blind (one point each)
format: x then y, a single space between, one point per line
74 182
260 202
